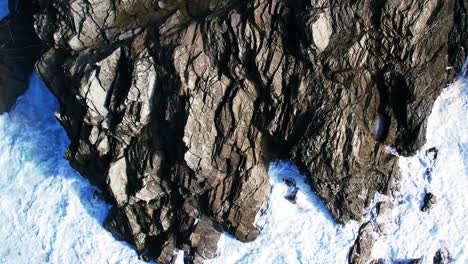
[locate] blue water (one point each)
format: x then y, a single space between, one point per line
3 8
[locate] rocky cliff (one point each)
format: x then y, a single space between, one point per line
175 108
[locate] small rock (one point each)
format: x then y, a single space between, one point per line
292 190
433 151
161 4
442 256
195 240
361 251
429 201
414 261
206 237
289 182
144 257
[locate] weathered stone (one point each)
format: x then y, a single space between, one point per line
361 251
177 118
205 240
385 220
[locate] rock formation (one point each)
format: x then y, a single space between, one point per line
442 256
429 201
175 108
361 251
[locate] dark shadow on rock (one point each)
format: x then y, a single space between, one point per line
19 49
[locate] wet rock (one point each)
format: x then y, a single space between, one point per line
433 152
385 221
361 251
431 156
415 261
442 256
292 190
174 110
204 240
429 201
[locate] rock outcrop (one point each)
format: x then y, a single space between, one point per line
361 251
429 201
19 50
175 108
442 256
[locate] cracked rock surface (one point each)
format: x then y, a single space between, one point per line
175 108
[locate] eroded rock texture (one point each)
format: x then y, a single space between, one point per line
174 108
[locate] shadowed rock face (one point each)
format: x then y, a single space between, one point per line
174 110
19 50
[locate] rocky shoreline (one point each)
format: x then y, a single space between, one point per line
175 109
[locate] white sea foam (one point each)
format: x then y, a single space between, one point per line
305 233
48 213
421 234
294 233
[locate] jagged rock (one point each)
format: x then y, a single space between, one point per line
204 240
19 50
361 251
429 201
442 256
175 108
385 220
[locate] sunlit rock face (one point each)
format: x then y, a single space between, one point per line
424 222
175 114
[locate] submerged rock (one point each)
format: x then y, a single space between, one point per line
292 190
175 108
